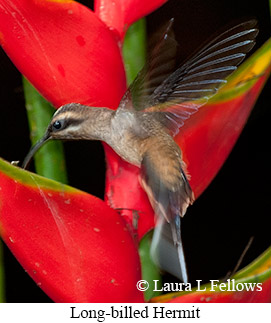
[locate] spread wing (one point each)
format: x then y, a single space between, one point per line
160 66
191 85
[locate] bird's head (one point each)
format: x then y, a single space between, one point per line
70 122
67 123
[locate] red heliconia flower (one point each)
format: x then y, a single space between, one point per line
70 242
70 55
119 15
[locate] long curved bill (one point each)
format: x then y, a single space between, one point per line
34 149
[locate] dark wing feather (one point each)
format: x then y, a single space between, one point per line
184 91
202 75
161 64
195 82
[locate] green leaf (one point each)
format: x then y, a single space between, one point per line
150 271
260 266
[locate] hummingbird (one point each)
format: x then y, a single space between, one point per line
153 109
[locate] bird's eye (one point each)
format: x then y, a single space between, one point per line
57 125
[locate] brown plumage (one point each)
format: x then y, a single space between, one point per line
151 112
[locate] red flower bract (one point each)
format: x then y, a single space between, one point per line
119 14
73 245
210 135
65 50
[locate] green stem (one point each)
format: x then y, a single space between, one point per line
49 160
2 277
134 49
134 53
150 271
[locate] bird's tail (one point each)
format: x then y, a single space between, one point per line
170 194
177 239
167 248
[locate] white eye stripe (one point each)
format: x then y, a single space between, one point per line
65 115
73 128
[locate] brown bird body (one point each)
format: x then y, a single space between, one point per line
151 112
140 139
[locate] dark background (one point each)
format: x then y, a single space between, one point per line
235 206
